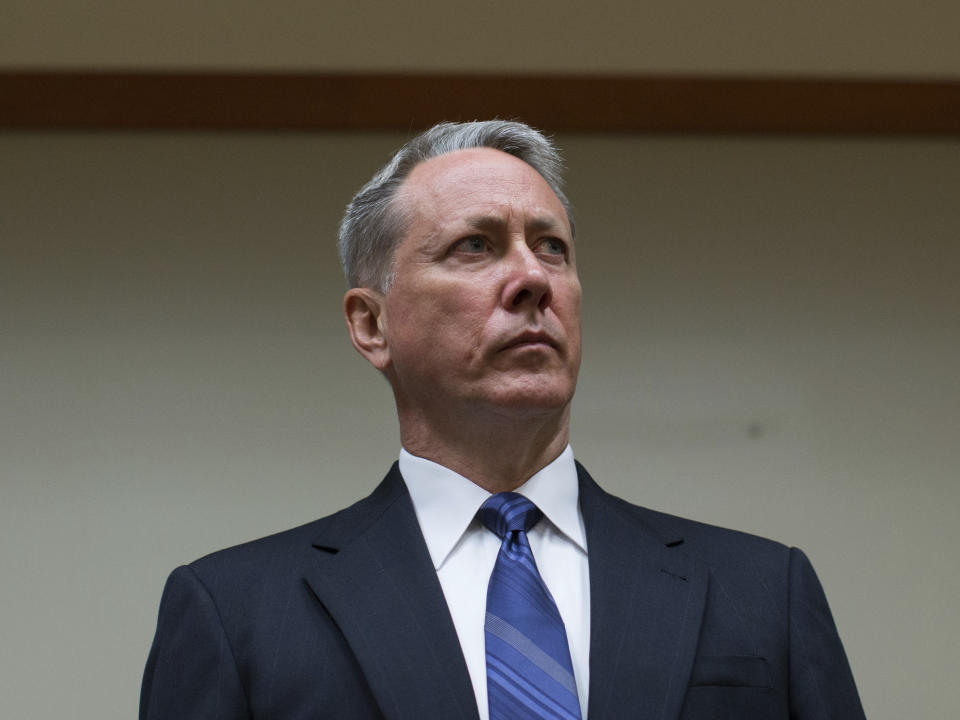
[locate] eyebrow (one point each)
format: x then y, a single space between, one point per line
491 223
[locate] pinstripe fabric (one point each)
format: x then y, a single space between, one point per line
529 673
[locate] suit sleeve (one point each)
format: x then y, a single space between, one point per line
821 683
191 672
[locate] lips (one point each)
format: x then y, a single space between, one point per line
530 338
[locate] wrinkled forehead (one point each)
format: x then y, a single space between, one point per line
470 180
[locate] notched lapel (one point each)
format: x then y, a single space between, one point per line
647 601
381 589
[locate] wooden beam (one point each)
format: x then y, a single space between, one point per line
568 103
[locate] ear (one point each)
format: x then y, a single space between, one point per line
363 309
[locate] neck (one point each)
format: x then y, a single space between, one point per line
499 453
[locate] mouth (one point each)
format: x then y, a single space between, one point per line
530 339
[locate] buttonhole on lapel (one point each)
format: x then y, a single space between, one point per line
674 543
679 577
326 548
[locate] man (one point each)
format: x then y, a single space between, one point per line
443 595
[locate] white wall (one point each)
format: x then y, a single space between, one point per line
772 343
845 37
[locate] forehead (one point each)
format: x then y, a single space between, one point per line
476 180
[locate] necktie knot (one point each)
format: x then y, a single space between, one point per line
509 512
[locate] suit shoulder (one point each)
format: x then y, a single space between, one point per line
747 571
262 552
711 543
286 551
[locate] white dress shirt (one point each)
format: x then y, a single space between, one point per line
464 553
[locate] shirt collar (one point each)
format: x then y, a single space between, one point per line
446 502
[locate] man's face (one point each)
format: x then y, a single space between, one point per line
484 309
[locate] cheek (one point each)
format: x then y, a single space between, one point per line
453 316
451 327
568 305
438 317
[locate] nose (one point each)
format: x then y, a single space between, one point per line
527 283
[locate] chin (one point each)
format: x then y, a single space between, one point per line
530 401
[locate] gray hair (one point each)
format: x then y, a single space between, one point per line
371 228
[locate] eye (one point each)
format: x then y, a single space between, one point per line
552 246
473 245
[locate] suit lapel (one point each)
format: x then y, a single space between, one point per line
647 600
375 578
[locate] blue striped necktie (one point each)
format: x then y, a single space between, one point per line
529 673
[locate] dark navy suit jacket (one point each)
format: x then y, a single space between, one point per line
345 618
